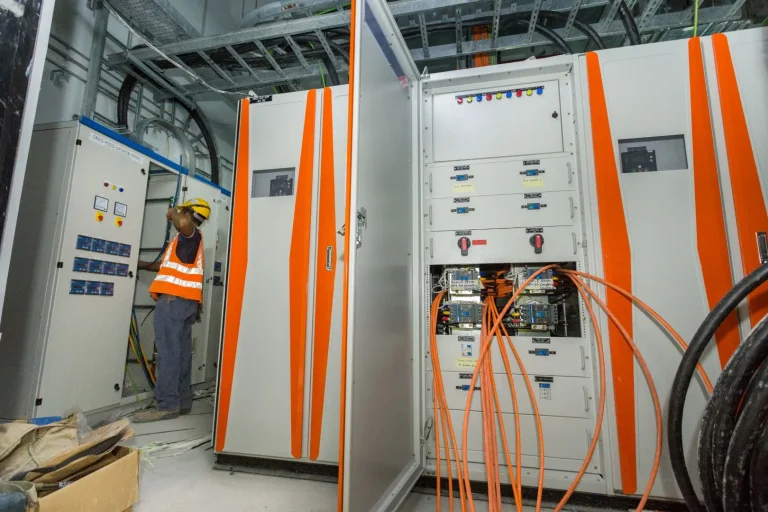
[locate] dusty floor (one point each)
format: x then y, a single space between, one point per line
185 482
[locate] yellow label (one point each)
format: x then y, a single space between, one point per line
533 181
466 362
463 187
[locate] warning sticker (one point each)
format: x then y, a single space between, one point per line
114 146
466 349
463 187
533 181
545 391
466 362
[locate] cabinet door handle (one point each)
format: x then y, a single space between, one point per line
583 358
570 175
431 249
586 398
430 215
570 200
589 437
329 258
575 245
430 183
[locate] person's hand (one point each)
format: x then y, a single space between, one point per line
169 214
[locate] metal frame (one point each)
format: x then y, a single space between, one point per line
424 15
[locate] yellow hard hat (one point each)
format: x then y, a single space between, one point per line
201 210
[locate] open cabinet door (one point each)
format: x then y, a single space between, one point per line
380 461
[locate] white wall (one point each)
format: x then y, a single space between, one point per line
69 48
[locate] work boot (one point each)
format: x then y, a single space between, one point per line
154 415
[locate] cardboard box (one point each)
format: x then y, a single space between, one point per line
113 488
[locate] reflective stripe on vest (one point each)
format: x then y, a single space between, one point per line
178 278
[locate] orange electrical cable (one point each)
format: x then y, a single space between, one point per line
443 402
601 408
514 477
529 388
651 387
480 360
648 310
436 428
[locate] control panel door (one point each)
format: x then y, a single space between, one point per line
380 464
84 359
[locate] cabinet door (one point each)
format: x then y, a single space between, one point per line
94 288
380 463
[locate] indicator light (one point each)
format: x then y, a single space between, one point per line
489 97
121 189
519 93
509 94
99 217
459 100
529 92
106 184
114 187
498 95
118 222
540 91
469 99
479 97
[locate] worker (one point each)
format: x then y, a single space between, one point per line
178 291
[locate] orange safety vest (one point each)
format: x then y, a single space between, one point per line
177 278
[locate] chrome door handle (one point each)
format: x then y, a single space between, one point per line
329 258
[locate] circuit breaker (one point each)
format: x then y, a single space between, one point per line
74 272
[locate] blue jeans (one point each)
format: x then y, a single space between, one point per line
173 321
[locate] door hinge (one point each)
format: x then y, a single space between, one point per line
59 264
39 401
78 142
362 223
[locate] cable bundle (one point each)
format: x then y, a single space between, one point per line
733 444
494 329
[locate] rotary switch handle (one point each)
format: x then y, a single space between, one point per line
537 241
464 244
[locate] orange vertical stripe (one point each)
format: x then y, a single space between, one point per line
617 266
711 239
326 277
238 264
347 237
299 272
748 201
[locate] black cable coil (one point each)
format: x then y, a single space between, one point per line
733 443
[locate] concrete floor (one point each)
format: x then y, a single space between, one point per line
185 482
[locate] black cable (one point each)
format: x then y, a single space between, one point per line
584 28
758 470
550 34
629 23
123 102
752 418
685 371
721 413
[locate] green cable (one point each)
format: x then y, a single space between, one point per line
695 17
764 22
330 10
322 76
133 385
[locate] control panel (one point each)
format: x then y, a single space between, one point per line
501 200
96 274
